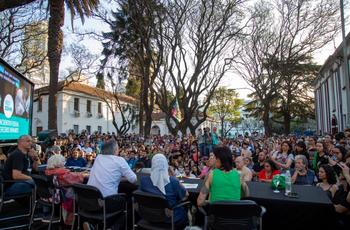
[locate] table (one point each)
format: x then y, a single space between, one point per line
312 209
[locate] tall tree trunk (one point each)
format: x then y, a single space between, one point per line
141 109
266 121
222 127
55 44
286 122
147 98
148 113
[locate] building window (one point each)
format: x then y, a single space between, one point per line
76 129
99 129
88 106
76 104
99 108
40 104
88 129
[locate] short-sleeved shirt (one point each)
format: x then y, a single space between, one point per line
174 194
16 160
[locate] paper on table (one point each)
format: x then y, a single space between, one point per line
189 186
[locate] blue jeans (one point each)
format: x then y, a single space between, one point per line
20 187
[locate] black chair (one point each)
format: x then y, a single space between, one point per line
95 208
238 215
12 214
45 195
154 211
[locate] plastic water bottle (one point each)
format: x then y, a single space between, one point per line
288 183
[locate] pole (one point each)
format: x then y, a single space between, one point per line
345 61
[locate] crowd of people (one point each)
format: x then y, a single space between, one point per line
321 161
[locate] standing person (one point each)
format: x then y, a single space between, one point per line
207 141
201 142
18 166
108 169
214 138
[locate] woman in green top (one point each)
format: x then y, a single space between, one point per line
223 183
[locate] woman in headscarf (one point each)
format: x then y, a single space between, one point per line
160 183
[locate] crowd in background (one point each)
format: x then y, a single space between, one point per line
322 161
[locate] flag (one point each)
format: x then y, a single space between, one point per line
175 110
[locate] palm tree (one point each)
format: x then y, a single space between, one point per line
55 39
55 44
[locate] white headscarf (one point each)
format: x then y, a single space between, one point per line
159 172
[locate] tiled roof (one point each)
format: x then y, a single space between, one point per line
88 90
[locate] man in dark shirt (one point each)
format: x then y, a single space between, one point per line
18 167
259 165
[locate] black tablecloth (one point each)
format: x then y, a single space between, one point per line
312 209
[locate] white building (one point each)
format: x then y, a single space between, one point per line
159 126
332 93
79 107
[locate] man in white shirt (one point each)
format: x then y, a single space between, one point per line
108 169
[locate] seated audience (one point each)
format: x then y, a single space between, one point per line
75 159
328 180
284 158
268 172
341 199
259 165
243 170
63 177
320 157
301 174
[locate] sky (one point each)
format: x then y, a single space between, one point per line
230 80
